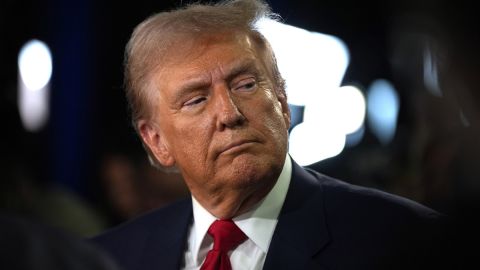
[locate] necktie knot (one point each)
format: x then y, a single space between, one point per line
226 235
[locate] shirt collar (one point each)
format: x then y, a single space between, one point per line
259 223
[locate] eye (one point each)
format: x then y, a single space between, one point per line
194 101
246 85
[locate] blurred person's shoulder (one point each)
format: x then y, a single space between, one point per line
30 244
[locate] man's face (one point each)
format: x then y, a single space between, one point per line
218 117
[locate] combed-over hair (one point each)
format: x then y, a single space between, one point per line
155 37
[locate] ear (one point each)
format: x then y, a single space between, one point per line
155 142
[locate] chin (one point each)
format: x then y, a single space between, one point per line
250 170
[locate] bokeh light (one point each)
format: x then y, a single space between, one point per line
383 106
35 72
35 64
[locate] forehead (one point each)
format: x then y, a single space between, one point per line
208 52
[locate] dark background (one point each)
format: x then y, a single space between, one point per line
86 170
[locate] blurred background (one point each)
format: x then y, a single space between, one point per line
408 75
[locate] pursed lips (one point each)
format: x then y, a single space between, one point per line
234 145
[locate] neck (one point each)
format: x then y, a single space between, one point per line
229 204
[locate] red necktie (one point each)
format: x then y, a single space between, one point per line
226 236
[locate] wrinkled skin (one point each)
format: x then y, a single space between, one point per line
218 118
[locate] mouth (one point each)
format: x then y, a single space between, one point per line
236 146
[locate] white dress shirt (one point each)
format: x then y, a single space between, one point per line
258 224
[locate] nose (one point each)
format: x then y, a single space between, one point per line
228 113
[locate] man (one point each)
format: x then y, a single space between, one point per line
207 99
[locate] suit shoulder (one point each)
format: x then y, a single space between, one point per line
135 230
354 197
132 242
368 224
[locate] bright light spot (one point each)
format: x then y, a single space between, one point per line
313 65
312 143
35 64
310 62
383 107
335 114
351 109
35 70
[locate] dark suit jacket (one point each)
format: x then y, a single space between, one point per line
324 224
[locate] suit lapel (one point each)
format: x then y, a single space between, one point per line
165 245
301 231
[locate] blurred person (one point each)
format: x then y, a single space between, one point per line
26 185
133 187
208 101
30 245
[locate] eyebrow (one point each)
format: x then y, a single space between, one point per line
246 66
191 85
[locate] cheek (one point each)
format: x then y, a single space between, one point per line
274 119
277 113
192 140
